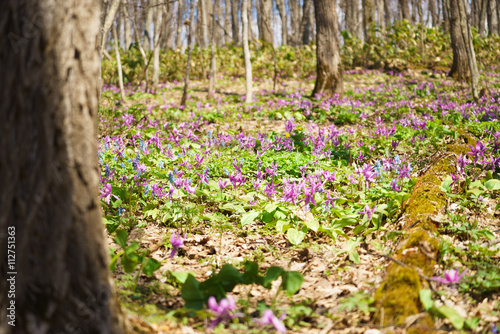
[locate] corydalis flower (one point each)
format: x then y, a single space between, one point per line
223 311
268 318
367 211
450 277
177 242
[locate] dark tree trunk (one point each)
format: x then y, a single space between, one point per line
179 24
492 17
49 204
284 22
306 24
329 66
234 21
483 5
265 30
433 13
295 21
387 7
405 10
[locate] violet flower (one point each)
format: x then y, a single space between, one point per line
223 311
177 242
451 276
367 211
268 318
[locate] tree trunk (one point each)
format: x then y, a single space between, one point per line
305 25
178 33
110 17
234 21
265 30
213 65
405 10
49 207
158 18
294 22
492 17
284 22
329 66
118 64
388 16
246 54
190 51
446 15
202 17
464 59
380 13
127 26
482 6
368 15
432 12
227 20
148 36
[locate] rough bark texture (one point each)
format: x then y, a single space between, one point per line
49 172
329 66
492 17
460 67
405 10
295 22
306 24
246 53
483 5
265 30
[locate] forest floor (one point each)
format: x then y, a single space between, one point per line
255 186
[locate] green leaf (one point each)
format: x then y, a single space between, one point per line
121 238
272 275
180 276
426 299
295 236
492 184
449 313
282 226
292 281
192 293
312 225
232 208
151 266
249 217
354 257
270 207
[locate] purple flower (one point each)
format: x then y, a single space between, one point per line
477 151
268 318
450 276
367 211
395 186
223 311
107 192
290 125
177 242
222 184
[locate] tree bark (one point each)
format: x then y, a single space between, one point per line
492 17
202 16
482 6
368 15
388 16
284 22
380 13
405 10
433 13
110 17
178 34
190 51
118 64
234 21
49 204
246 54
329 66
148 36
265 30
306 24
127 26
158 18
213 65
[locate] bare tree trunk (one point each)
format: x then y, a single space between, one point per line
49 208
432 12
202 17
110 17
294 22
482 6
329 65
127 27
141 50
158 18
284 22
246 54
167 33
305 25
178 33
213 65
414 11
388 16
148 36
219 30
380 13
234 21
405 10
492 17
265 31
118 64
227 19
251 35
446 15
368 15
190 51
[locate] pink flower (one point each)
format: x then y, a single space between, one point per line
268 318
177 242
450 276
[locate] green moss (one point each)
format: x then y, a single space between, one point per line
398 295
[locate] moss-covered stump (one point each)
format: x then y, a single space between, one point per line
397 299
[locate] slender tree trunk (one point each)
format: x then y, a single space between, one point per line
265 30
202 16
190 51
246 54
368 15
110 17
305 26
118 64
158 18
329 65
219 30
446 15
227 19
492 17
234 21
432 12
380 13
405 10
49 207
294 22
251 34
482 6
213 65
388 16
127 26
178 33
284 22
414 11
148 36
